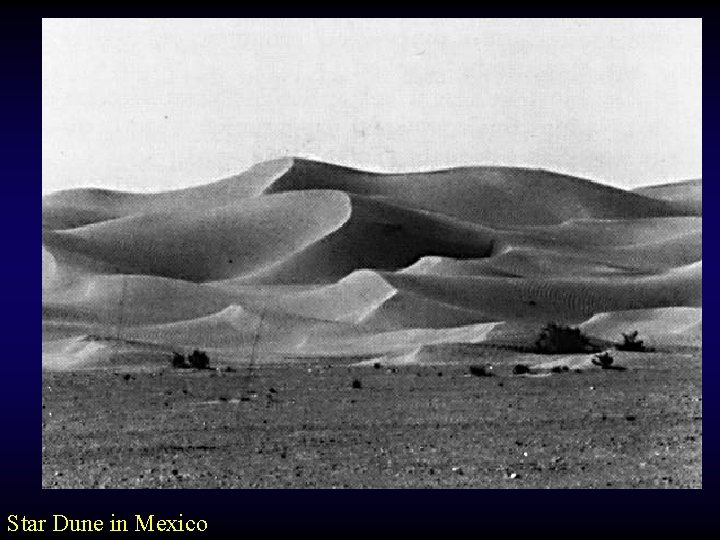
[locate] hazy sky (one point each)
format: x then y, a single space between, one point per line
157 104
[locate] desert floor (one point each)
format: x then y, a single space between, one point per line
415 426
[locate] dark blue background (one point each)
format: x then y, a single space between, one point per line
341 513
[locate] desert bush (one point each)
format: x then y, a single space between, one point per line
356 384
559 339
481 371
521 369
631 343
199 360
604 360
178 361
228 369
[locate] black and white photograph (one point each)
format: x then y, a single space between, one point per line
372 253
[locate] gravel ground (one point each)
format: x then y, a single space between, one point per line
304 425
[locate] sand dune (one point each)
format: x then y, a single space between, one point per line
409 310
133 299
519 262
687 193
380 236
395 342
529 261
618 232
77 207
564 299
489 195
350 300
333 261
86 351
580 247
674 325
232 329
202 245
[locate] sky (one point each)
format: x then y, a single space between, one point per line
155 104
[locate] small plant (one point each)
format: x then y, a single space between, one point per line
481 371
199 360
228 369
604 360
559 339
356 384
521 369
631 343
